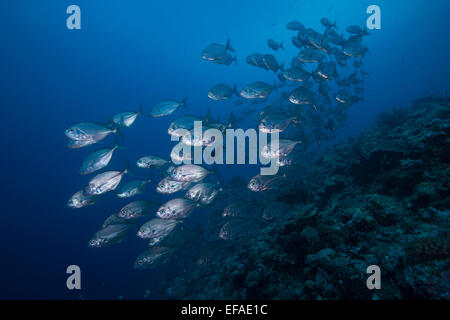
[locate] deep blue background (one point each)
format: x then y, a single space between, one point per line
130 53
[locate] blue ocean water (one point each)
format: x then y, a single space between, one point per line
132 53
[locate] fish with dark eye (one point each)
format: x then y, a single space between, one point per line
136 209
105 182
178 208
169 186
271 63
132 188
309 55
257 90
81 199
109 235
302 96
185 122
218 53
222 92
296 74
153 257
192 140
264 182
89 131
126 119
274 45
148 162
283 149
203 193
97 160
189 173
256 60
157 228
241 209
276 122
342 96
167 107
115 219
327 70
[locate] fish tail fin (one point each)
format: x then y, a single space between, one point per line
228 46
117 130
235 60
127 169
235 90
231 121
117 145
184 102
141 111
208 116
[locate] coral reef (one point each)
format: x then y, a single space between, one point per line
382 198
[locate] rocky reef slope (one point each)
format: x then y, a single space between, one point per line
382 198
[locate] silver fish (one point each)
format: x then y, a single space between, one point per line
189 173
284 148
169 186
190 139
271 63
215 52
275 122
127 118
166 107
89 131
203 193
148 162
327 70
97 160
109 235
80 200
257 90
115 219
178 208
240 209
77 144
156 228
256 60
136 209
310 56
221 92
301 96
185 122
296 74
152 257
264 182
132 188
342 96
105 182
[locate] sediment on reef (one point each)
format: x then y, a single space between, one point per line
382 198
